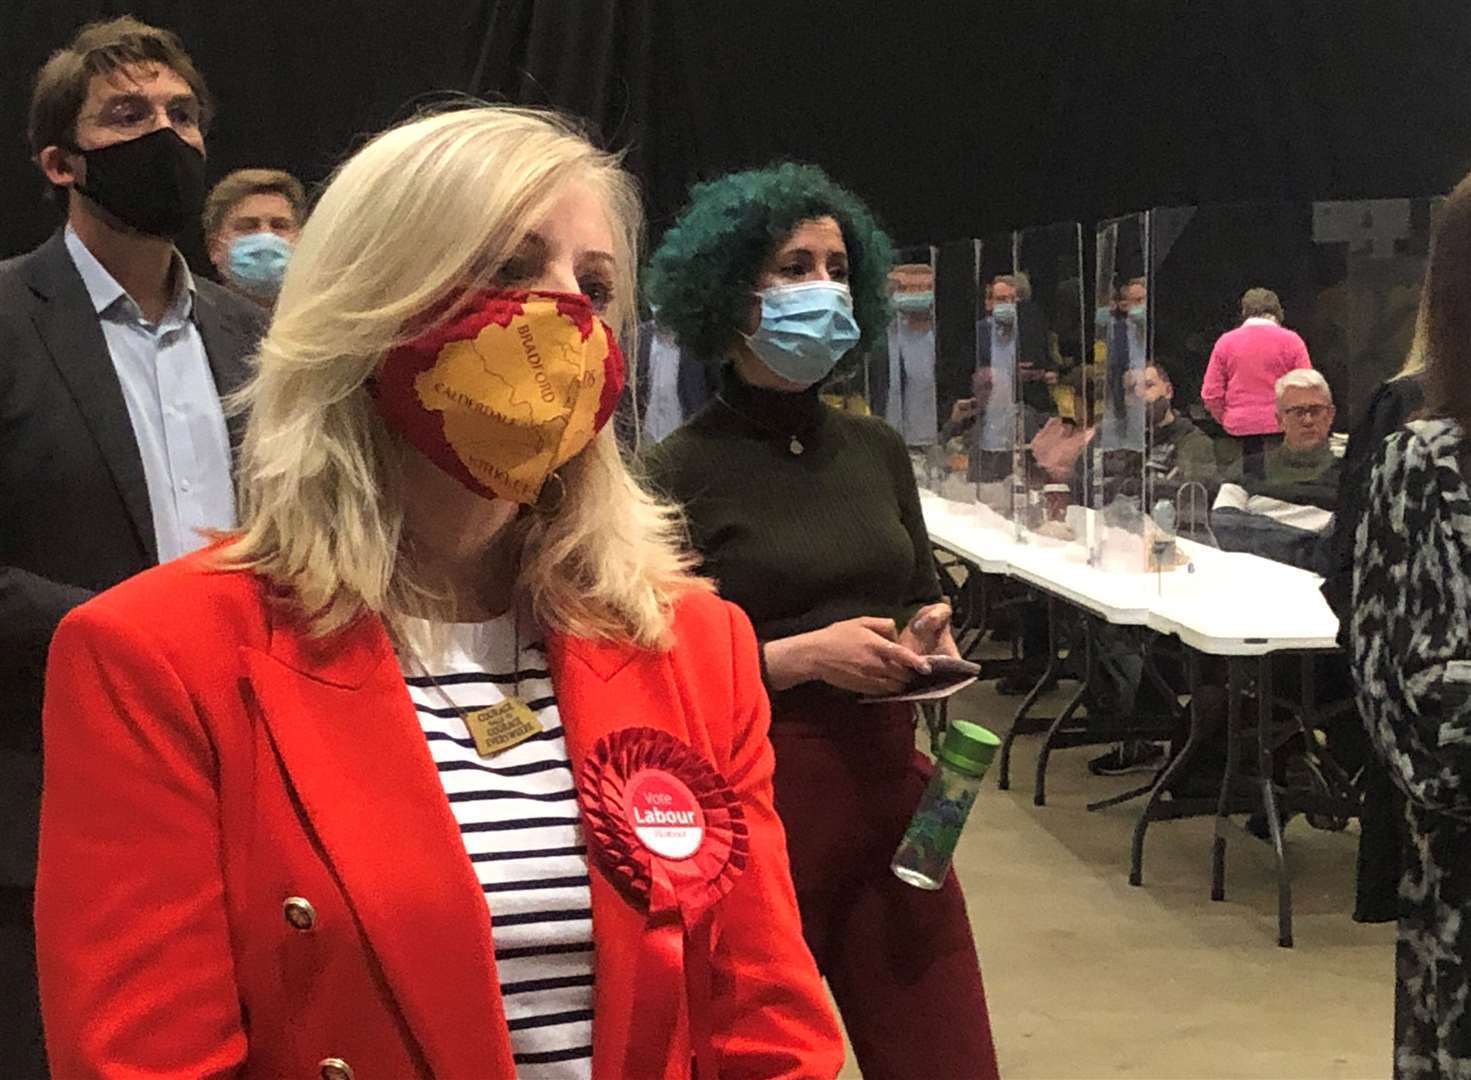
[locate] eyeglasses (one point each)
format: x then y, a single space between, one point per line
1302 413
133 114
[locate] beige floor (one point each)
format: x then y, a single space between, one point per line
1090 978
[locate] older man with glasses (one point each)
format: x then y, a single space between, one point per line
114 452
1282 506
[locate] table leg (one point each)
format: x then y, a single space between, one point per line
1151 672
936 716
1162 783
1019 726
1090 653
1269 799
973 593
1039 790
1233 751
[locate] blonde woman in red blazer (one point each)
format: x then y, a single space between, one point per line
249 864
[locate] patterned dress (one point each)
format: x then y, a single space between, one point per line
1411 635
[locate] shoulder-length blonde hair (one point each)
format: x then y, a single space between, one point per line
1415 357
411 220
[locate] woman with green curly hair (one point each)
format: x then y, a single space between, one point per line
809 519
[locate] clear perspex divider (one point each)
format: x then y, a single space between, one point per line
903 374
652 408
1117 397
997 426
1337 286
1051 435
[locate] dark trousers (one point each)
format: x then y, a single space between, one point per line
1383 836
900 961
22 1053
1253 449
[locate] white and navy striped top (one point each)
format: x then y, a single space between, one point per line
518 816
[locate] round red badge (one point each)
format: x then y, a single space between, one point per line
665 815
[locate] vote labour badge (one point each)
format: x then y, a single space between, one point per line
670 834
506 391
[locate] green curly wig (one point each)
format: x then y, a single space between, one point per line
701 277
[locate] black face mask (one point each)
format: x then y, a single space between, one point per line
155 183
1157 410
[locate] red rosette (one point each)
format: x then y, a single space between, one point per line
698 880
667 830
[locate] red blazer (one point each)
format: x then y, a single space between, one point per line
205 760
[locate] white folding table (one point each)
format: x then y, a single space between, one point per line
1227 604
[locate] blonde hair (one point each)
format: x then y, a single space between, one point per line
1415 357
406 227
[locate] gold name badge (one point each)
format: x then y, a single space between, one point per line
497 728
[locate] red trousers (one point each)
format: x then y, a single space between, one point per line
900 961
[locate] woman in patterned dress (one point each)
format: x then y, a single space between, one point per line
1411 635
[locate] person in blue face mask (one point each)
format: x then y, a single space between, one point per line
252 219
809 519
908 394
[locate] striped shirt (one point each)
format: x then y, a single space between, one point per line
518 817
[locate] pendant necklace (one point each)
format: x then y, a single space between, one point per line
494 728
794 444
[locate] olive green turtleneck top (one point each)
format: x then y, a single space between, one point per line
799 540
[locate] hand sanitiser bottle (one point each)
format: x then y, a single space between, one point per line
929 843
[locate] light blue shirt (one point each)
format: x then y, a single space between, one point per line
172 403
912 406
998 420
664 412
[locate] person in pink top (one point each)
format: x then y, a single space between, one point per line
1240 381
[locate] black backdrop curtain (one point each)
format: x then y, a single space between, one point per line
952 119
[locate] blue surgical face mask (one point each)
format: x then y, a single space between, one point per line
913 302
1004 312
805 330
1136 313
257 262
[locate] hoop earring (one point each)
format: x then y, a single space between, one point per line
550 506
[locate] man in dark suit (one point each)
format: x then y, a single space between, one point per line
1012 313
114 448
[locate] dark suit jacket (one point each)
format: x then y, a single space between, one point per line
1031 341
74 511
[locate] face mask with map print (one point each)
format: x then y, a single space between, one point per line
506 391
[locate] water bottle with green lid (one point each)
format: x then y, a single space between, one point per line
929 843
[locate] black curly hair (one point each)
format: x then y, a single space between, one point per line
701 277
